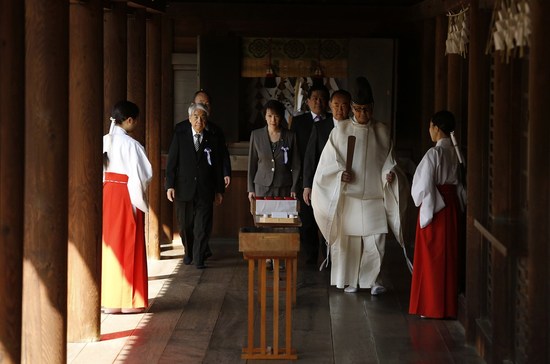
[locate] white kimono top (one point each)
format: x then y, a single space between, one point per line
127 156
437 167
368 204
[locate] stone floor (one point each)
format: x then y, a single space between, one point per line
200 316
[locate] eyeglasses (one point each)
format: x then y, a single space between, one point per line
364 109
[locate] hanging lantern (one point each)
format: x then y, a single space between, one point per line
318 75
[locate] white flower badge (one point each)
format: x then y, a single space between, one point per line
285 150
208 158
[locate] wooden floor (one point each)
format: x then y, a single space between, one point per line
200 316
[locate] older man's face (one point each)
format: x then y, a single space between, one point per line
362 113
198 120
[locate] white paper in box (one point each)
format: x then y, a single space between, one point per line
290 207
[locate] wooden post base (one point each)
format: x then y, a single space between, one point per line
278 246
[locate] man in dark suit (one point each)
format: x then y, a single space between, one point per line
202 97
194 180
302 125
340 107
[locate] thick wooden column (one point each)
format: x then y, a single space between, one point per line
166 124
114 63
46 182
136 68
440 87
153 117
454 88
478 110
428 60
504 169
12 174
539 184
85 147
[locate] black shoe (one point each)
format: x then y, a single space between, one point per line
187 260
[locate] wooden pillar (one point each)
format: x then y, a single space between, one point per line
538 184
85 147
454 87
153 117
440 87
428 59
44 329
503 155
12 173
114 62
136 69
166 124
478 110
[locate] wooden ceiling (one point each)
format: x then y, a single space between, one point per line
377 3
421 8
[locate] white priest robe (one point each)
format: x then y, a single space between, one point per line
350 213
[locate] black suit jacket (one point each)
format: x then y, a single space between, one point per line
218 132
317 140
302 126
190 172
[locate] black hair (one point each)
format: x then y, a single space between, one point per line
444 120
201 91
341 92
321 88
121 111
279 109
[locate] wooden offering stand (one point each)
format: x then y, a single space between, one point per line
264 241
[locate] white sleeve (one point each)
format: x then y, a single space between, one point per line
140 174
424 191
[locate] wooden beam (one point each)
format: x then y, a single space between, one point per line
428 80
167 124
440 87
12 174
136 82
432 8
85 147
478 126
115 60
153 117
538 180
46 182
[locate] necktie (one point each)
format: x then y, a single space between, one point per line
317 118
197 142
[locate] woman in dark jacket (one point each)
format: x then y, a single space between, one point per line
273 159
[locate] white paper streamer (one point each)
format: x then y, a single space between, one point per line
458 33
511 26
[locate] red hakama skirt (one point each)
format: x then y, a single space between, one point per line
434 288
124 263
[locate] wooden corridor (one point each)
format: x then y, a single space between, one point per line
200 316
